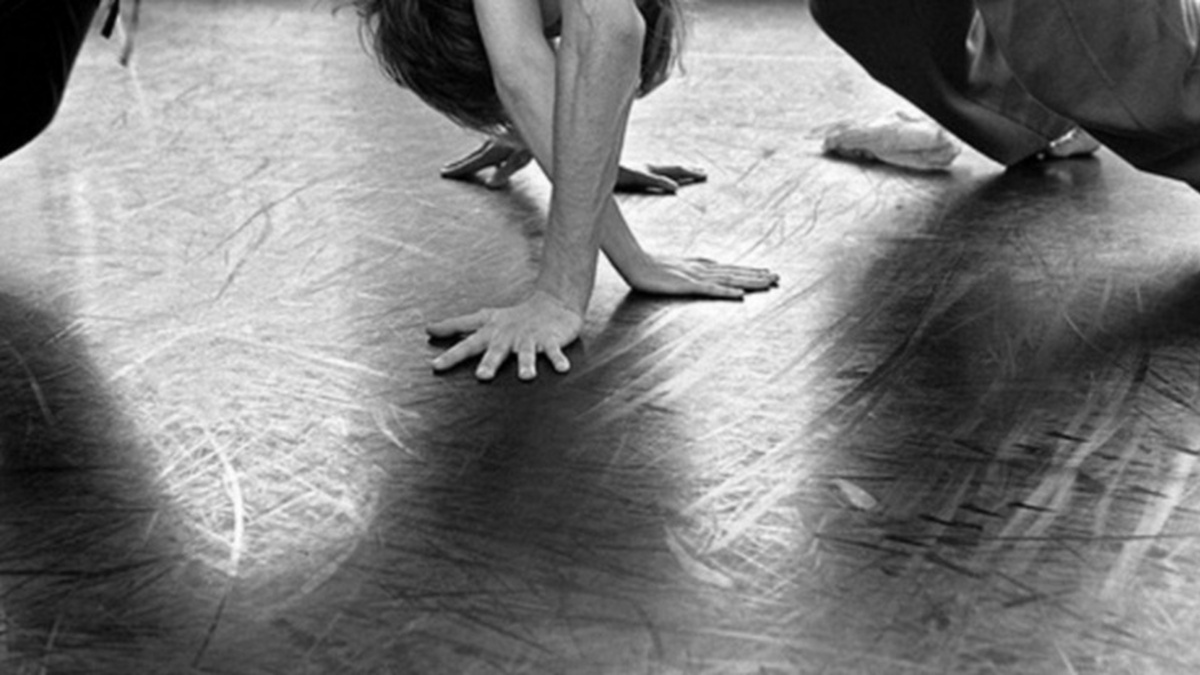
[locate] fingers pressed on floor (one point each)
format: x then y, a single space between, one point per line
459 325
460 352
719 290
558 359
489 154
679 174
491 362
527 362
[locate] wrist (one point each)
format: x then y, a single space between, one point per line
570 283
570 294
621 248
631 265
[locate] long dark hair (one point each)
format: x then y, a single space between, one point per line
434 48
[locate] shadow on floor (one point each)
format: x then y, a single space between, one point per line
1020 395
89 576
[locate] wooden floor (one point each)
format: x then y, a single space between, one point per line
961 436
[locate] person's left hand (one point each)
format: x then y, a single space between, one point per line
507 156
698 277
542 324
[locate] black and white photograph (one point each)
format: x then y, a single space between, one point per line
599 337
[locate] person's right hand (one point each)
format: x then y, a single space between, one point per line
540 325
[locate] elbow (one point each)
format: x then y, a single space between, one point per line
603 38
622 23
611 29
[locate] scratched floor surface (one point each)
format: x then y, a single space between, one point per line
960 437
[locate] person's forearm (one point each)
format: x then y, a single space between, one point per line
571 109
619 244
532 118
597 76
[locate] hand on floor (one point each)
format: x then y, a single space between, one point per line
542 324
657 179
698 277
